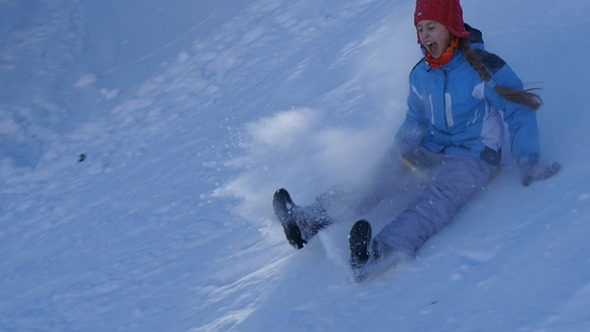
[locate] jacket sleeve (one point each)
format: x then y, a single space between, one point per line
521 120
415 126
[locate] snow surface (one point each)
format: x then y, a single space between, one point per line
141 142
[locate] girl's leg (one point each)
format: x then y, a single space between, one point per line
454 183
391 178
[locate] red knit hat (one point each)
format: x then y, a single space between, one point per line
445 12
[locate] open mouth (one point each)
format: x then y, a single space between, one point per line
432 48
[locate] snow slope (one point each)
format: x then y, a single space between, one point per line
188 116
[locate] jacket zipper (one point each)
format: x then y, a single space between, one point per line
447 104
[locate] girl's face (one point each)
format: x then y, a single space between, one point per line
434 37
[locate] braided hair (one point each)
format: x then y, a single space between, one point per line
522 97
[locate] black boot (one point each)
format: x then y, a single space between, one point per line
299 223
360 252
359 239
283 206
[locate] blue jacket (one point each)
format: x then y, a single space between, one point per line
452 110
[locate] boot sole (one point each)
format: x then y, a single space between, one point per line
282 204
359 239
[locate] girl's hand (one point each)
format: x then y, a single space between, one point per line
534 171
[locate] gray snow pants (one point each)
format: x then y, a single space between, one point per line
453 181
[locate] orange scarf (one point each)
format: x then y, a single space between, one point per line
445 58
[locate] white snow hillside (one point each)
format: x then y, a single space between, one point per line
141 142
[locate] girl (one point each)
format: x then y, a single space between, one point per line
460 96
